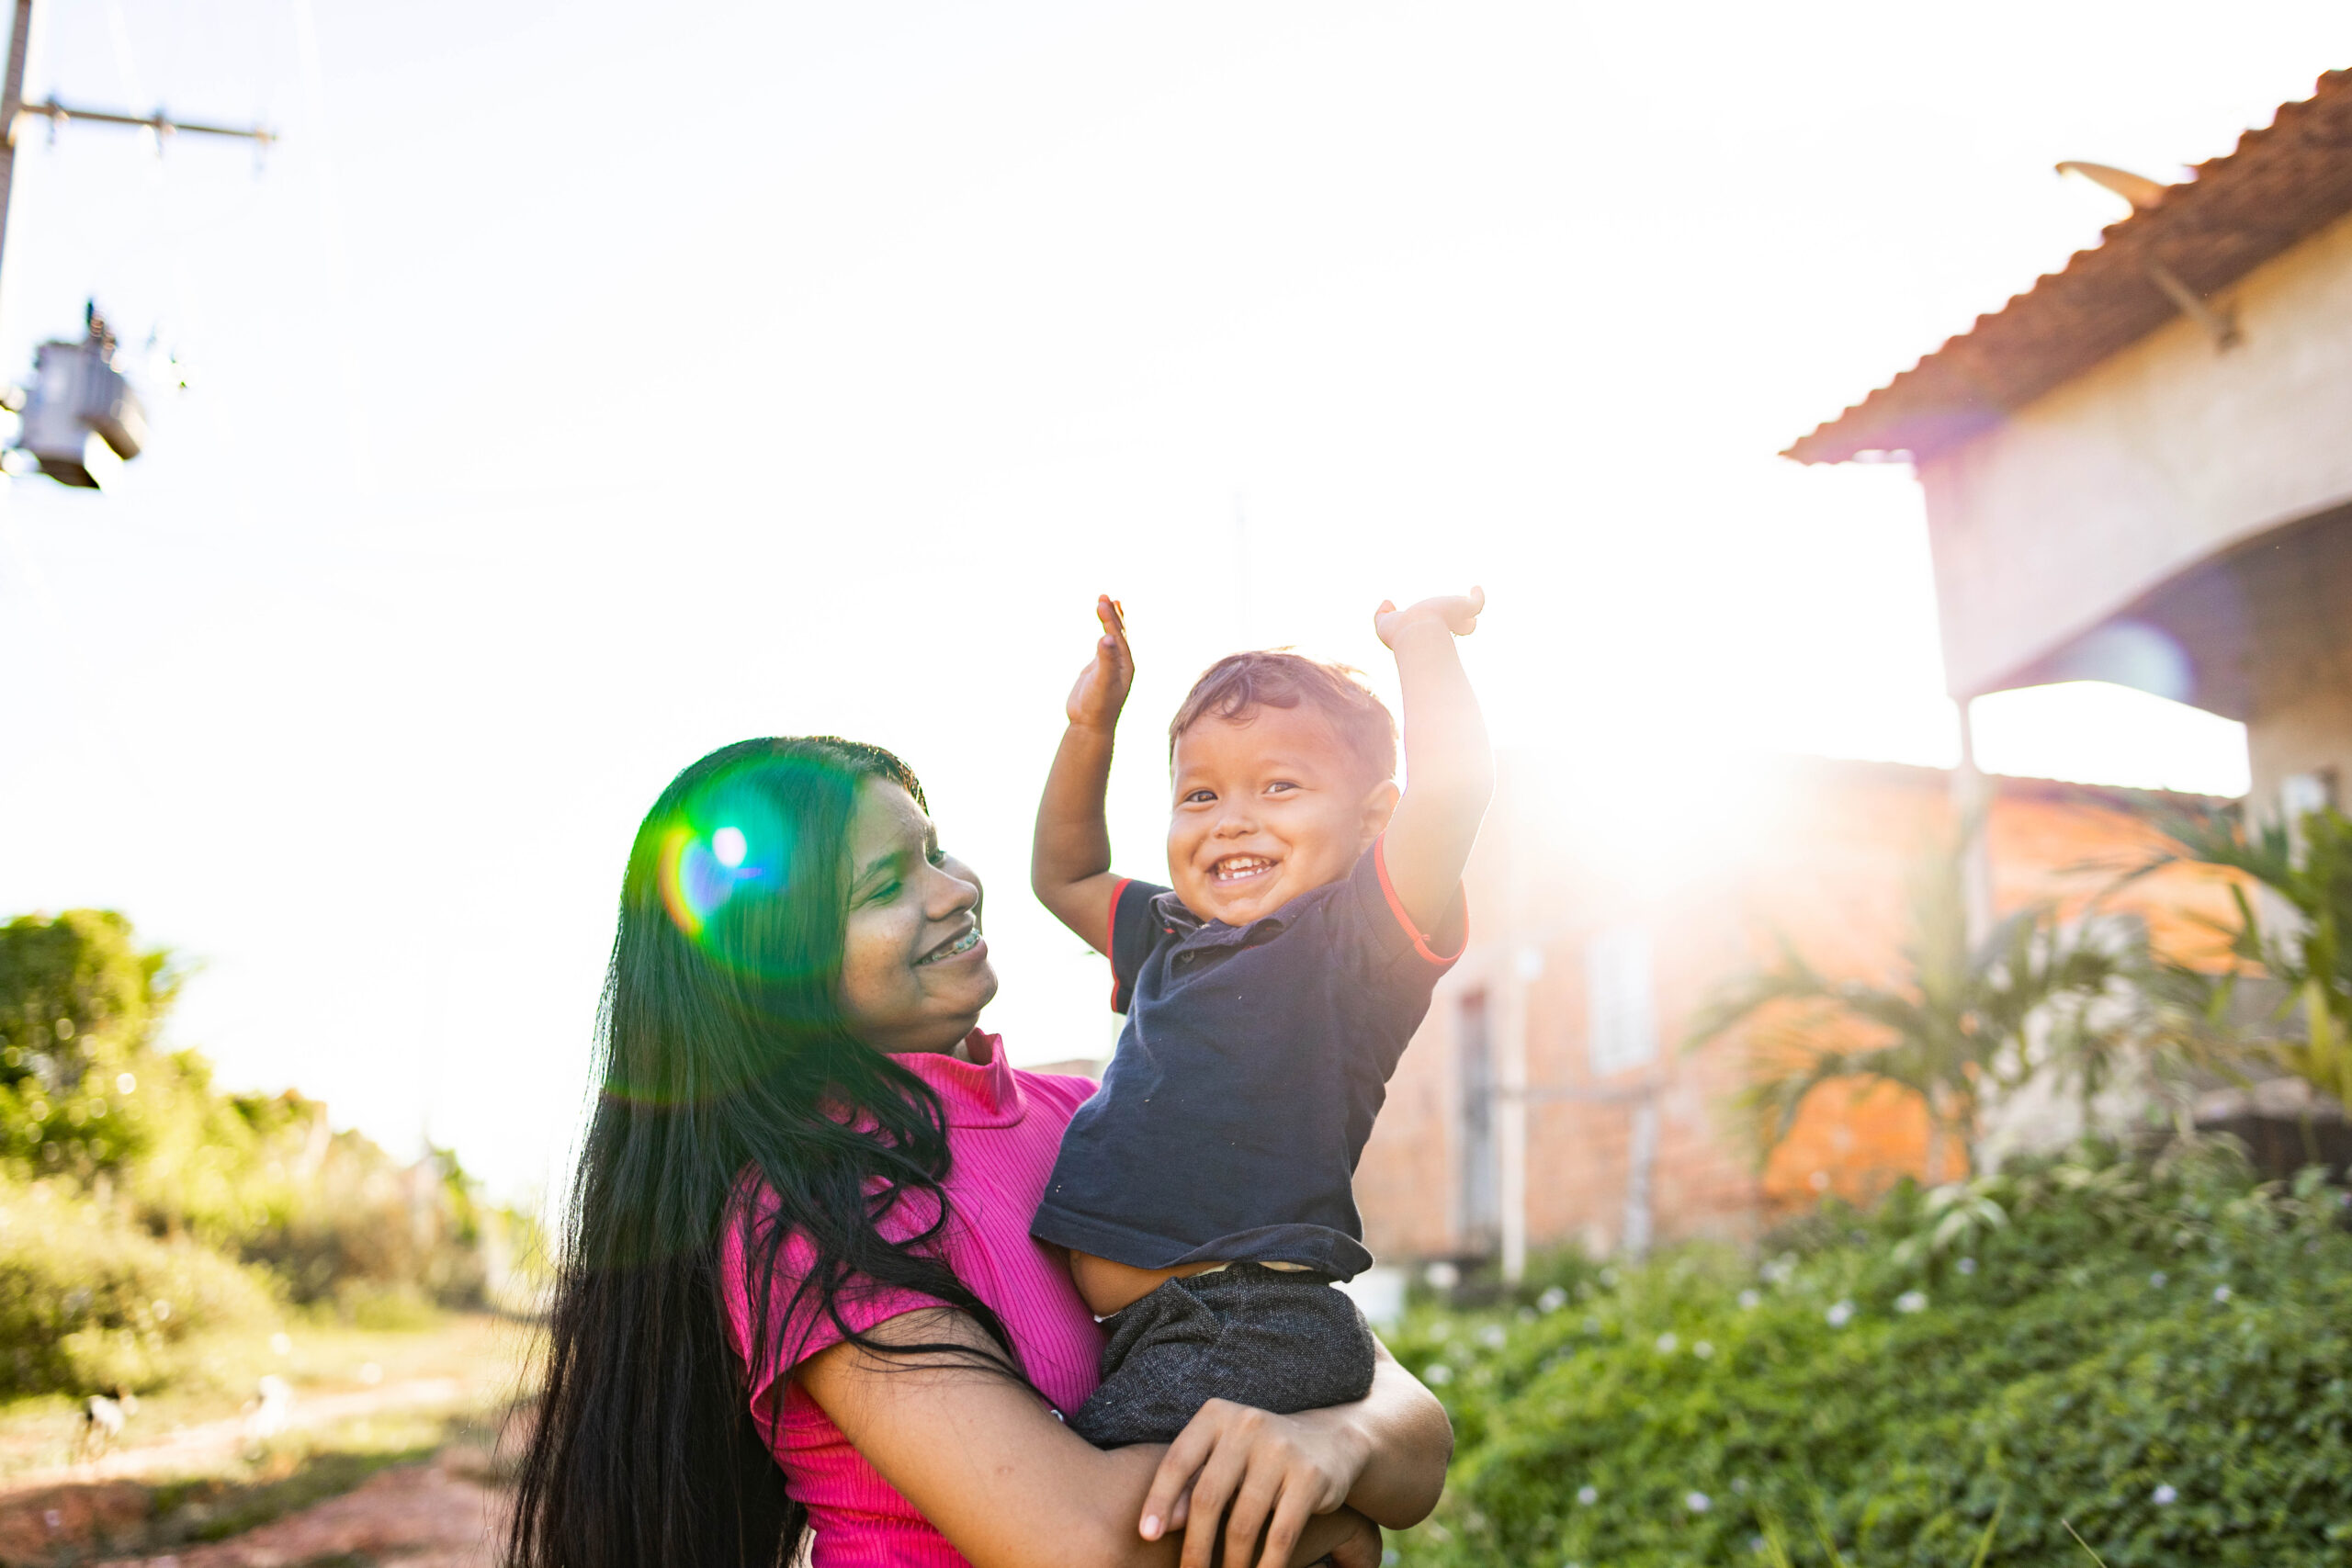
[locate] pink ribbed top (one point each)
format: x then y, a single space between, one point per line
1003 1128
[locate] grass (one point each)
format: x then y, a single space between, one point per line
481 1354
287 1482
230 1485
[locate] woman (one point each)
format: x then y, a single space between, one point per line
798 1286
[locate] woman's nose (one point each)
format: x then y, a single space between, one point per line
954 890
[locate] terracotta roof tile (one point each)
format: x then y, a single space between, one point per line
2280 184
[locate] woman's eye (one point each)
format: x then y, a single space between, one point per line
936 855
884 894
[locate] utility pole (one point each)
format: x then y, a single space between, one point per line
15 111
12 100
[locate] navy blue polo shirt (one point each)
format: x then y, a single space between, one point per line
1246 1081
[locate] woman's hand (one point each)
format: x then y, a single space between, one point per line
1263 1474
1361 1547
1102 688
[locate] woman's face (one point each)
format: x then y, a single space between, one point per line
915 968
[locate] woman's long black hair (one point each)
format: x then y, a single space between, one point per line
722 1056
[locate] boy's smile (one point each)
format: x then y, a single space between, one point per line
1267 807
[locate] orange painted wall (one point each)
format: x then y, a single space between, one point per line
1819 854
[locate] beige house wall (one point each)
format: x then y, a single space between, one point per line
2158 458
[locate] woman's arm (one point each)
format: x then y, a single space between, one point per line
1008 1484
1393 1443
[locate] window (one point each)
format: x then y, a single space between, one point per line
2300 794
1621 1021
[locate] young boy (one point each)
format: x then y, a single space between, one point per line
1203 1194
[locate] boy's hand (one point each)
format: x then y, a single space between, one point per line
1458 613
1101 689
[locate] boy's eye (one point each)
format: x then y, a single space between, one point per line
1200 797
1279 785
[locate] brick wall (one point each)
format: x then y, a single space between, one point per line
1822 855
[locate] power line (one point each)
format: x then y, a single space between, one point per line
14 112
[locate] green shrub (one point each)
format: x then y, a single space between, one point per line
2161 1358
88 1099
89 1300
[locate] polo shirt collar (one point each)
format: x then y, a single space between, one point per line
1169 910
982 1092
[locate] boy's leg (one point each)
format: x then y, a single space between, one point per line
1282 1342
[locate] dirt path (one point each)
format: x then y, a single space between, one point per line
291 1454
214 1445
421 1515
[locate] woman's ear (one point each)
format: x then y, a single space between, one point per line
1378 807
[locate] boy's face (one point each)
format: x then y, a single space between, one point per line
1265 809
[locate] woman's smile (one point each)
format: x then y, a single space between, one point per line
955 947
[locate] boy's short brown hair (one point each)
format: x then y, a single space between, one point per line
1238 682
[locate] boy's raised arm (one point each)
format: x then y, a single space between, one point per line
1069 860
1449 767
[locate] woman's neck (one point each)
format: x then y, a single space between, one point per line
960 1047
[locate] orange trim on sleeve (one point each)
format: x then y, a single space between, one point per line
1111 939
1111 927
1396 907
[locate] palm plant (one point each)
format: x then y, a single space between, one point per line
2297 940
1955 1021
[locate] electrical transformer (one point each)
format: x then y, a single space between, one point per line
79 401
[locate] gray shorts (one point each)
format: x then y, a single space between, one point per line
1280 1341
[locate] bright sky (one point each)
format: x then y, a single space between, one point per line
579 388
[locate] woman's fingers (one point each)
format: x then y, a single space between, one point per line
1291 1514
1253 1509
1213 1490
1165 1505
1360 1548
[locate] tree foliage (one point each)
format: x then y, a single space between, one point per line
2299 941
91 1102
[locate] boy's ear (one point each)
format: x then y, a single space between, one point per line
1378 807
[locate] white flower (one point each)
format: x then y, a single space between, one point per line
1552 1300
1492 1336
1840 1314
2163 1494
1968 1266
1911 1301
2159 1278
1698 1502
2220 1293
1747 1300
1668 1343
1704 1349
1439 1373
1739 1485
1588 1496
